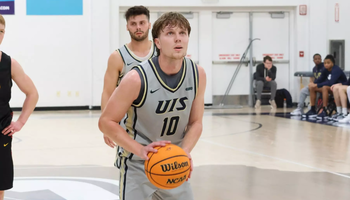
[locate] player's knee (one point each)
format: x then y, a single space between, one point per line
338 88
260 83
335 88
305 90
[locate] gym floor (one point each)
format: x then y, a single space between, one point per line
242 154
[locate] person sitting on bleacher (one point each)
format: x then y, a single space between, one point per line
305 91
340 98
331 75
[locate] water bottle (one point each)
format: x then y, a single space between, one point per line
284 103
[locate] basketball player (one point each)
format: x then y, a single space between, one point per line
10 70
164 103
138 50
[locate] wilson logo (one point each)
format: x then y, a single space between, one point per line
176 180
174 166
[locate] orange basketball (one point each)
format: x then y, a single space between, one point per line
168 168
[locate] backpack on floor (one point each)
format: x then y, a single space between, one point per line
282 94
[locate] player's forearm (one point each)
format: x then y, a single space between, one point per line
116 133
312 79
28 107
104 99
192 136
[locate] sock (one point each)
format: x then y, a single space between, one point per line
325 109
339 111
345 111
313 108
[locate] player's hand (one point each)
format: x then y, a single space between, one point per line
191 162
108 141
150 148
12 128
268 79
332 87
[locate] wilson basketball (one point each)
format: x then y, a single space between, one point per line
168 168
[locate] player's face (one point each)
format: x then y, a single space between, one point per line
2 32
173 42
328 64
138 27
317 60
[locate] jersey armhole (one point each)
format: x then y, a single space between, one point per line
144 87
7 61
121 55
10 60
195 77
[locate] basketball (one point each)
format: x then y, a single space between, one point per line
168 168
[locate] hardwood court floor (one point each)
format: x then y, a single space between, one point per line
241 155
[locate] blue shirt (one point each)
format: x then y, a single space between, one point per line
317 70
329 78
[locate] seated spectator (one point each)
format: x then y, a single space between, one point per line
331 75
340 98
265 77
305 91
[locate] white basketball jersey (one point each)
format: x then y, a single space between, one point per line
130 59
163 113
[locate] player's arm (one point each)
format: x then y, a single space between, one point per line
115 66
195 125
26 85
121 100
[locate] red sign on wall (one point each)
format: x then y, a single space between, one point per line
337 12
277 56
303 9
229 56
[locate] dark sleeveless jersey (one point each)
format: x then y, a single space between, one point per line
5 91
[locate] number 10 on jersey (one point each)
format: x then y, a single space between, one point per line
170 125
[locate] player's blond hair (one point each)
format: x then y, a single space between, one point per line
2 20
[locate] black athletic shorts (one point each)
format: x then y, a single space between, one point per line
6 163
